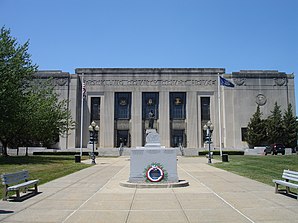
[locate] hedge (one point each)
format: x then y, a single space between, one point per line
203 153
63 153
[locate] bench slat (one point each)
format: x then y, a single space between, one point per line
285 183
13 178
291 172
290 175
25 184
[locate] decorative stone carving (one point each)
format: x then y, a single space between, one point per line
122 124
152 138
261 99
61 81
239 81
280 81
141 82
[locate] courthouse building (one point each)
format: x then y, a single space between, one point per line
180 100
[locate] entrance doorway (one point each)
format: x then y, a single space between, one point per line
178 138
123 137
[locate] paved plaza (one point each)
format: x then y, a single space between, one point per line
94 195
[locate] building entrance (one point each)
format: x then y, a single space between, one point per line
178 138
123 137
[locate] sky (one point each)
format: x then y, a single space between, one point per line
231 34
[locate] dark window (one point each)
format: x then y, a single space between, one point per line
244 134
123 105
95 108
205 108
177 105
150 103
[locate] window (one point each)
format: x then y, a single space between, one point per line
122 105
177 105
95 108
244 134
150 103
205 108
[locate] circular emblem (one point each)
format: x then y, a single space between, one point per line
280 81
178 101
261 99
150 102
155 173
122 101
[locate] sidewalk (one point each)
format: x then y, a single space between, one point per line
94 195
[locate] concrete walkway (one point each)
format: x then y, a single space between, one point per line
94 195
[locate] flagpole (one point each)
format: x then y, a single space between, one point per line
82 115
219 115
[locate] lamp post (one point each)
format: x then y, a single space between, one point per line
209 128
93 129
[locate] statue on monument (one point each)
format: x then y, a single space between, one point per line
151 119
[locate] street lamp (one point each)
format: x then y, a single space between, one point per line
93 129
209 128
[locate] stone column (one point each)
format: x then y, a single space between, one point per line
107 129
102 122
136 119
192 119
199 129
164 118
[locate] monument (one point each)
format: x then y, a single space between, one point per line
153 165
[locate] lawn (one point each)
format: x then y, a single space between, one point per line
44 168
261 168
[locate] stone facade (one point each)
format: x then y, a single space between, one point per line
184 99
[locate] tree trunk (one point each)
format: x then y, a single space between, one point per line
26 150
4 149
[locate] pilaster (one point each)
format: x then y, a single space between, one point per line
136 119
164 118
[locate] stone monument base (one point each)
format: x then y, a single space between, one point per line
180 183
153 166
142 159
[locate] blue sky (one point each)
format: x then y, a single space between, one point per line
231 34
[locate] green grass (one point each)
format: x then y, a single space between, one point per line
44 168
260 168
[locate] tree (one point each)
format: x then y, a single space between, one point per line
30 113
290 128
16 69
51 116
275 129
256 131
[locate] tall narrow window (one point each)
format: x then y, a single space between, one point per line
95 108
150 103
205 108
177 105
122 105
244 134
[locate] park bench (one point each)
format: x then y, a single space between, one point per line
290 180
17 182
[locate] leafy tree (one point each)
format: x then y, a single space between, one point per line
275 128
30 113
256 131
16 70
51 116
290 128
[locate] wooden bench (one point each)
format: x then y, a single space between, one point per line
290 180
17 182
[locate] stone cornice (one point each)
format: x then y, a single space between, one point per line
260 74
148 71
